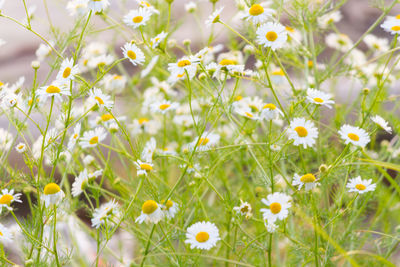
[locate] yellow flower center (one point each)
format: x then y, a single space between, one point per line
143 120
1 84
353 137
202 237
51 189
131 54
310 63
307 178
137 19
6 199
75 136
164 106
254 108
184 63
301 131
203 141
256 10
249 114
289 29
106 117
66 72
319 100
146 167
275 207
361 187
398 16
396 28
245 209
278 72
149 207
169 204
94 140
238 98
21 146
117 77
271 36
269 106
226 62
53 89
99 100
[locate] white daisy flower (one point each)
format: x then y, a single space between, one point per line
205 142
5 234
329 19
21 148
339 41
185 64
98 5
100 61
391 25
303 132
147 5
278 206
151 212
319 98
101 99
114 83
214 17
170 208
77 7
244 209
272 34
143 168
52 194
44 50
202 235
137 17
75 136
133 53
270 112
246 112
148 150
191 7
308 180
163 106
376 44
382 123
258 14
360 186
155 41
56 89
67 71
354 135
92 138
106 213
80 183
6 139
7 197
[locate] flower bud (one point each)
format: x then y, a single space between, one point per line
35 64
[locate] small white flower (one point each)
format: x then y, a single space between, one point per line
151 212
137 17
143 168
148 150
98 5
272 34
92 138
170 208
354 135
391 25
56 89
101 99
133 53
270 112
77 7
278 206
163 106
52 194
319 98
382 123
106 213
244 209
205 142
67 71
185 64
376 44
308 180
202 235
258 14
74 137
303 132
360 186
214 17
6 234
80 183
7 197
155 41
271 226
329 19
339 41
21 148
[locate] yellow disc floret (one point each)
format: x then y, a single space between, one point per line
202 237
149 207
51 189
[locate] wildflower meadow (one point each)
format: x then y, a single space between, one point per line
267 137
